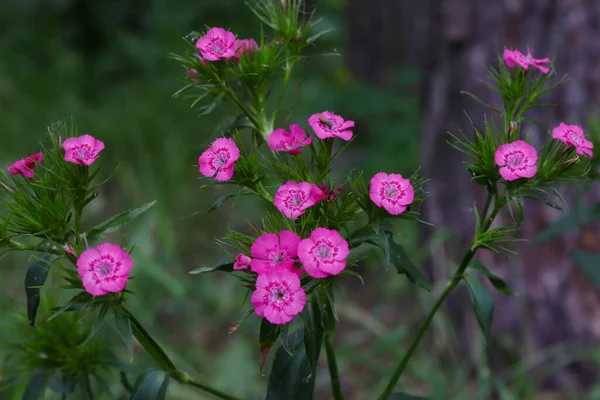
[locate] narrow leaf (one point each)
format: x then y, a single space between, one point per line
36 387
97 324
226 266
124 328
268 335
115 223
483 304
313 334
217 204
151 385
34 279
498 283
291 378
77 302
398 258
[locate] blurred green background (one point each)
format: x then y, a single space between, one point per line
105 64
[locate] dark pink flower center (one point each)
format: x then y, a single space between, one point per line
295 199
105 267
217 46
278 256
327 124
392 191
220 157
515 159
324 251
278 295
82 152
574 137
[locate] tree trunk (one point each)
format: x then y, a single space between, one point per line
451 41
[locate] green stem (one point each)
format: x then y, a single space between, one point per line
262 192
165 362
450 286
334 373
286 80
18 246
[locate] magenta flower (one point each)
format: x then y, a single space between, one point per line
327 124
272 251
392 192
573 135
68 249
292 198
191 73
219 159
242 262
82 150
324 253
278 296
245 46
104 269
217 44
282 140
516 160
26 165
515 57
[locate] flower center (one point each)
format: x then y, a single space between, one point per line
574 137
104 268
392 191
83 152
515 159
296 199
217 46
278 257
328 124
279 295
324 251
221 156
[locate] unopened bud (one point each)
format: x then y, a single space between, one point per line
513 128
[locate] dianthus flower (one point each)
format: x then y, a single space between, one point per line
573 135
278 296
245 46
26 165
104 269
242 262
217 44
191 73
274 251
324 253
282 140
327 125
82 150
219 159
392 192
292 198
515 57
516 160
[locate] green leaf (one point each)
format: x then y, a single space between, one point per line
483 304
217 204
498 283
35 277
404 396
98 324
78 302
313 333
291 378
115 223
589 265
36 387
396 256
124 328
226 266
151 385
268 335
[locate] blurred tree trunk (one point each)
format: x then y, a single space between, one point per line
450 41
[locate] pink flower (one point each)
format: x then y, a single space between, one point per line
104 269
278 296
242 262
272 251
292 198
217 44
282 140
82 150
26 165
516 160
68 249
573 135
191 73
329 195
327 124
391 192
219 159
324 253
515 57
245 46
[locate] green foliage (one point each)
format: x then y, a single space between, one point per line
117 222
483 304
151 385
34 280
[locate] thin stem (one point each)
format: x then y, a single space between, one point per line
206 388
450 286
18 246
286 79
334 373
262 192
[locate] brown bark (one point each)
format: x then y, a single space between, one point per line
451 41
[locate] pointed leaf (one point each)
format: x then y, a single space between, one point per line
36 387
498 283
97 324
124 328
268 335
34 279
285 339
115 223
483 304
290 377
313 333
398 258
226 266
217 204
77 302
589 265
151 385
